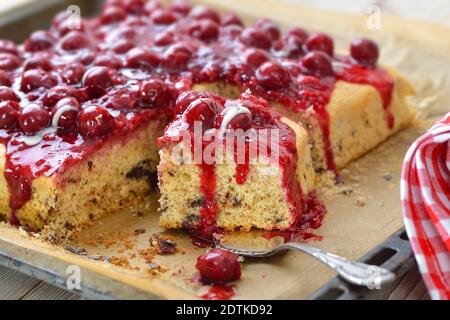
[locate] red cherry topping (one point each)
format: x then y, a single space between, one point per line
99 77
9 61
255 57
293 44
7 94
298 32
164 38
75 40
37 78
33 118
231 31
38 62
204 29
253 37
269 26
72 73
203 110
39 41
7 46
135 6
5 80
155 93
8 114
187 97
65 113
108 60
124 100
95 121
201 12
163 17
53 95
272 75
177 56
142 58
231 20
152 6
218 267
365 52
320 42
241 121
181 7
122 46
318 64
112 14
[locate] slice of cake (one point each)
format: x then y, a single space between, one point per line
258 177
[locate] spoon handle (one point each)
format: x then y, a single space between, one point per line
358 273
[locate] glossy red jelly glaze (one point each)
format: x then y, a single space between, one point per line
105 62
220 293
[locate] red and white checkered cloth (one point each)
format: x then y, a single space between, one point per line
425 194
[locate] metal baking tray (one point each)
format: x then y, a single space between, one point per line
394 254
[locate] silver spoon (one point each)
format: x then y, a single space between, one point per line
357 273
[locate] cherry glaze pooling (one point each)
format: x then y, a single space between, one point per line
105 62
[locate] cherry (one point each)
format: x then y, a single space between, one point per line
202 12
99 77
108 60
70 25
5 80
365 52
142 58
187 97
38 62
39 41
65 113
135 6
176 56
56 94
231 31
320 42
317 63
75 40
255 57
122 46
37 78
241 121
272 75
7 94
87 57
7 46
181 6
204 110
164 38
204 29
163 17
298 32
33 118
95 121
8 114
218 267
112 14
127 33
293 44
155 93
72 73
253 37
9 61
269 26
231 20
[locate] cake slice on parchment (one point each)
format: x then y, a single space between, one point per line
260 176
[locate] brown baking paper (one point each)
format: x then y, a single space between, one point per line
362 213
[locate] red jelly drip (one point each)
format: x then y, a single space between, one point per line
220 293
303 230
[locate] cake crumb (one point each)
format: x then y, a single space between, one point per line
120 262
163 245
360 202
138 232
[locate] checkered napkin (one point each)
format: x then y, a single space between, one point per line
425 194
